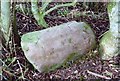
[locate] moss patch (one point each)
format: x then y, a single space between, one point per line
68 59
86 26
106 44
74 57
47 69
107 37
111 5
30 37
71 57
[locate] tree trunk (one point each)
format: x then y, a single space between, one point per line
109 42
5 19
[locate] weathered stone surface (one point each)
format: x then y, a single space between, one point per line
51 47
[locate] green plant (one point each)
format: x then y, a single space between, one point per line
40 13
23 8
63 12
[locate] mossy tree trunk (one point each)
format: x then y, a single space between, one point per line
5 20
110 41
4 26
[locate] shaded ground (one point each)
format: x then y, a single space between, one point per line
18 68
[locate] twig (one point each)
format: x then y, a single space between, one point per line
8 72
22 74
4 65
59 6
22 14
103 34
98 75
14 59
5 49
55 17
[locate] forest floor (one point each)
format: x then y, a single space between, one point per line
17 68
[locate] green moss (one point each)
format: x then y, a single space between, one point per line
86 26
110 6
81 78
25 47
75 57
71 57
70 40
107 37
30 37
51 68
107 40
104 40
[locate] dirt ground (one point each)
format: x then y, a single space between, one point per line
17 68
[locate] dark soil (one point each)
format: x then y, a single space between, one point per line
21 70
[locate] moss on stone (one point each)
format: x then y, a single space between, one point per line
30 37
70 40
72 56
51 68
25 48
86 26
